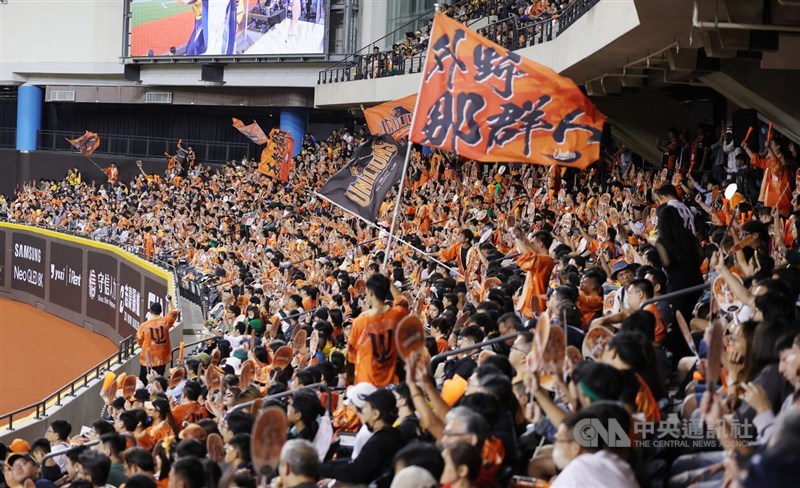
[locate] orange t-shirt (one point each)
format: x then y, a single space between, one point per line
153 336
371 346
157 433
442 345
539 267
589 306
191 412
661 326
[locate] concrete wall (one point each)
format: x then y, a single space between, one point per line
597 28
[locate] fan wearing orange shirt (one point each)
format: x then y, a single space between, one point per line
462 251
371 345
153 336
112 173
189 411
158 410
590 298
536 261
775 187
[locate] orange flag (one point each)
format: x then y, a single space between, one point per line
391 118
252 131
486 103
87 143
276 158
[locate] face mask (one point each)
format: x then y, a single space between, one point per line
559 458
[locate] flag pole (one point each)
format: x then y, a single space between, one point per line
389 243
397 206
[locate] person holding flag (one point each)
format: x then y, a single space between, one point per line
112 174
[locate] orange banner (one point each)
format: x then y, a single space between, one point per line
486 103
276 158
87 143
391 118
252 131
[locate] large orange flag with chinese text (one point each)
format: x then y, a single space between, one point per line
87 143
391 118
489 104
276 158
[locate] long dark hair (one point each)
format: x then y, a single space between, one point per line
679 242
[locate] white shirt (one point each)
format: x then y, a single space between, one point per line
732 150
61 460
601 469
362 436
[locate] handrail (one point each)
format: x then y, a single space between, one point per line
189 344
51 455
146 147
126 351
435 360
313 386
537 32
671 295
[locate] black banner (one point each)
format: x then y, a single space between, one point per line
155 291
130 300
65 276
362 184
101 288
28 257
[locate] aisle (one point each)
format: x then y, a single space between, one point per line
40 353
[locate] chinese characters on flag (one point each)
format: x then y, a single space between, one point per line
276 158
87 143
488 104
391 118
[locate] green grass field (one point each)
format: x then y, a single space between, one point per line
144 11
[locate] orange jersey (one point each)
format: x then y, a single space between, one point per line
153 336
144 440
372 349
159 432
191 412
589 306
539 267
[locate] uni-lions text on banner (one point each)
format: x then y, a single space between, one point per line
360 187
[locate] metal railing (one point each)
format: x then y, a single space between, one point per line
127 348
284 394
147 147
209 341
435 360
510 32
669 296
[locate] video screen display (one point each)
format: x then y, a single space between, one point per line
226 27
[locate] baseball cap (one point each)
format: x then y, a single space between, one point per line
19 445
382 400
204 358
355 394
193 431
16 455
140 395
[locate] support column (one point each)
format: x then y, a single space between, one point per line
29 116
295 121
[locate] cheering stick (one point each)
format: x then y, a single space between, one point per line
769 132
747 136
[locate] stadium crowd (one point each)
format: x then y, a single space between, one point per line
563 266
514 24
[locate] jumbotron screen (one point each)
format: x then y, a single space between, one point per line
226 27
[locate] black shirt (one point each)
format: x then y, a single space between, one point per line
374 460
